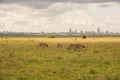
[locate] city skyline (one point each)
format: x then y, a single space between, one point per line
72 31
69 33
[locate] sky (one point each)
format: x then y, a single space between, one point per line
59 15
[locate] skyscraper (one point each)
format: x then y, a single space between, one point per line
75 30
98 30
70 30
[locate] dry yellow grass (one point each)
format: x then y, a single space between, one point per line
65 40
22 59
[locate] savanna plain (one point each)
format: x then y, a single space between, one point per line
24 59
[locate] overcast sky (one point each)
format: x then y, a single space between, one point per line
59 15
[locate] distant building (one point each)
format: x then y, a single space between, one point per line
81 32
107 32
75 30
98 30
70 30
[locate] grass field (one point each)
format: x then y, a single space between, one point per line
22 59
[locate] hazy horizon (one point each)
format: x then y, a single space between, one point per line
59 15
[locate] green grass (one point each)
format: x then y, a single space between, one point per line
24 60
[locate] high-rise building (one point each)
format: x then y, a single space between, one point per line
107 32
70 30
75 30
98 30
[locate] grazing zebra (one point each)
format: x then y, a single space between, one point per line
44 45
76 46
59 46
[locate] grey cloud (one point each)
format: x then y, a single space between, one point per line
46 3
105 5
32 3
78 1
36 4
